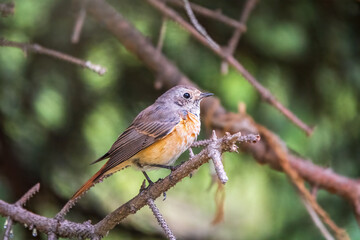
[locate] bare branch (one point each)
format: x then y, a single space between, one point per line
264 92
216 15
281 154
79 22
36 48
229 50
158 83
215 155
198 26
160 219
317 221
7 9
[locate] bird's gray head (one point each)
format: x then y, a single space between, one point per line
185 98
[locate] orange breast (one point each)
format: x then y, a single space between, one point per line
168 149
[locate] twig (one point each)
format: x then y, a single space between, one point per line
29 194
36 48
198 26
229 50
160 219
216 15
264 92
158 83
317 221
7 9
79 22
8 229
215 155
299 183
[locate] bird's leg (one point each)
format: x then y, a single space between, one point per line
151 183
147 178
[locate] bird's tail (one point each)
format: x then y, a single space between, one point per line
89 183
103 172
97 176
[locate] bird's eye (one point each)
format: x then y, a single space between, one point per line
186 95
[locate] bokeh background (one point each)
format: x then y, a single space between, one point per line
56 118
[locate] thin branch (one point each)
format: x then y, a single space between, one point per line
317 221
79 23
158 83
8 229
281 154
29 194
198 26
229 50
7 9
215 155
264 92
216 15
160 219
36 48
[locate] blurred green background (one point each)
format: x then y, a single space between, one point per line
56 118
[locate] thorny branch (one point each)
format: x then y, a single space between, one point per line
21 202
36 48
70 229
160 219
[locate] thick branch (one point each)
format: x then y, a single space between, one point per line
36 48
42 224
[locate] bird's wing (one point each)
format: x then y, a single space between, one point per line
149 126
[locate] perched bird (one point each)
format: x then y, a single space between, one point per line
156 137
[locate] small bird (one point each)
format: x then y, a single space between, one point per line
156 137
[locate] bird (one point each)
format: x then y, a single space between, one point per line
157 136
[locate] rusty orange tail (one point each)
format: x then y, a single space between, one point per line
104 171
89 183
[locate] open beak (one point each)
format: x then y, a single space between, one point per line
205 94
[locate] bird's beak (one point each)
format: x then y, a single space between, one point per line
205 94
